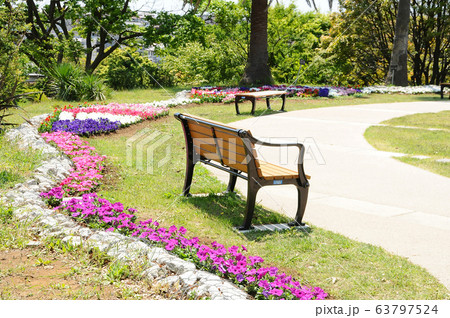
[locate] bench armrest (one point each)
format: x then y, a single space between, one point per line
301 153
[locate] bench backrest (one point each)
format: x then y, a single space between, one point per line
219 142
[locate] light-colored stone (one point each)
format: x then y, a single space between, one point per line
73 240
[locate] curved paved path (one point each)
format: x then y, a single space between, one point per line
356 190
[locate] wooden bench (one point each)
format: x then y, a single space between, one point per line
442 89
233 150
252 96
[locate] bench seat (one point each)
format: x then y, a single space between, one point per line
270 171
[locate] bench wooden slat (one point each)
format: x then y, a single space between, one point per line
211 121
230 144
270 171
230 141
230 157
261 94
208 131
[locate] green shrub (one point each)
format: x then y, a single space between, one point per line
127 69
196 65
94 88
69 83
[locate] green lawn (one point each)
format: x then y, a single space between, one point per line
416 142
344 268
440 120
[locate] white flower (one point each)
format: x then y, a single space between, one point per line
66 116
123 119
399 89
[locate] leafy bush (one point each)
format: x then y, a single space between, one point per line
197 65
94 88
127 69
69 83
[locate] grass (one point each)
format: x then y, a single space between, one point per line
440 120
416 142
346 269
15 164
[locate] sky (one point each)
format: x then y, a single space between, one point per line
176 5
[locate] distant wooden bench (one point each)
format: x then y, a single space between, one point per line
442 89
252 96
233 150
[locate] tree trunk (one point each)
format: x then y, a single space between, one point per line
257 71
398 70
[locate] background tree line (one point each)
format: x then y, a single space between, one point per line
210 44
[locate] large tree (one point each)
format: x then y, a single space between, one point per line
102 23
398 70
257 70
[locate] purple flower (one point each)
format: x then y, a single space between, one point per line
239 277
182 230
251 272
250 279
86 127
233 250
264 284
273 271
276 292
255 259
172 229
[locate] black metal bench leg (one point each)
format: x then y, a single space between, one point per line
250 209
268 103
188 178
236 100
253 105
302 199
232 182
283 97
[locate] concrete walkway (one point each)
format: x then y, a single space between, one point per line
357 191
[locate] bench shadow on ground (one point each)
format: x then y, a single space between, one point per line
260 109
229 209
259 112
435 98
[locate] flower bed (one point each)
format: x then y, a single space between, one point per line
226 95
424 89
144 111
88 164
125 114
93 211
230 263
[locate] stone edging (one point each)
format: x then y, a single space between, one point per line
160 265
